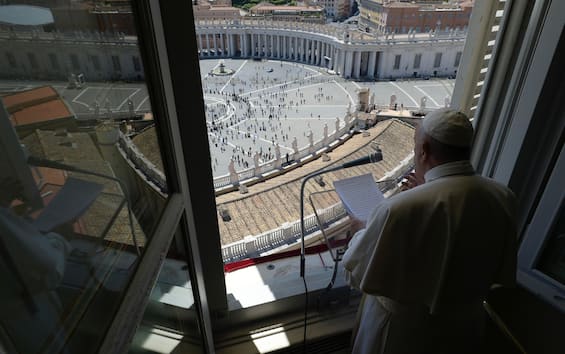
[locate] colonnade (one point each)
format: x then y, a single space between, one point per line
350 55
319 52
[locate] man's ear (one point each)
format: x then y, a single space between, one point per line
426 150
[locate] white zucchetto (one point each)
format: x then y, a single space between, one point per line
449 127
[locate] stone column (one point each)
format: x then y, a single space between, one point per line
279 47
232 48
272 51
252 45
243 41
342 63
312 52
357 65
208 47
305 46
316 50
335 58
320 52
372 62
222 44
215 45
289 48
382 70
200 43
348 64
284 47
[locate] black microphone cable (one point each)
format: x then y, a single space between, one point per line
374 157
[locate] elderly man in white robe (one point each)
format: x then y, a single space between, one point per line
428 256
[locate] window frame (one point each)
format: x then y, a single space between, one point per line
513 117
536 237
157 36
417 60
397 60
54 61
437 59
174 79
75 62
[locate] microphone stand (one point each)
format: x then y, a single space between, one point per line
302 227
376 157
372 158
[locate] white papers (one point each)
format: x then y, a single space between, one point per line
359 194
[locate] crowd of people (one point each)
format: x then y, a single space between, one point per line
250 116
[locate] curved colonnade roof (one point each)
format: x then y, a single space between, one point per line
270 204
276 201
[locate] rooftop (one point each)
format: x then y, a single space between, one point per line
270 204
37 105
79 150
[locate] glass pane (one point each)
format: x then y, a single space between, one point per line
80 190
170 323
552 260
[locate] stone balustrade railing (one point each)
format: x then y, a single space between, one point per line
288 233
319 146
146 167
344 34
253 246
74 36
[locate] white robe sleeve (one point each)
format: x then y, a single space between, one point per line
361 247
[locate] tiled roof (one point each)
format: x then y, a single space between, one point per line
37 105
22 99
42 112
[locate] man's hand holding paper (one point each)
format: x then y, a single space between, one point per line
360 195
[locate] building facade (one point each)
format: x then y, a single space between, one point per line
334 9
384 16
347 53
303 13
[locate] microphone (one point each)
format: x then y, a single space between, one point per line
374 157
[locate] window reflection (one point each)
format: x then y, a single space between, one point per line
79 200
